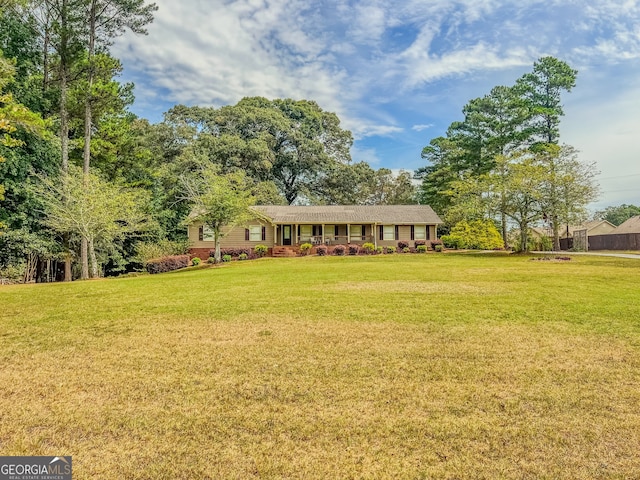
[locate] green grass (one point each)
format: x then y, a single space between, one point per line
398 366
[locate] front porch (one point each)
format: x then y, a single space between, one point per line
319 234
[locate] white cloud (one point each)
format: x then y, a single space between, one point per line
421 127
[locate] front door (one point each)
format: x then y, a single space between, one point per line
286 235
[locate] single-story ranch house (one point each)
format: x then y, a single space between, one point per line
287 227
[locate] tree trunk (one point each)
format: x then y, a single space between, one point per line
94 261
84 245
556 233
524 237
64 124
218 257
86 156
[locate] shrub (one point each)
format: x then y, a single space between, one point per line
406 250
146 251
390 249
477 235
420 242
167 264
243 256
421 248
321 250
339 250
368 248
438 248
451 241
226 258
402 245
233 252
380 250
435 243
353 249
211 260
305 248
195 261
260 250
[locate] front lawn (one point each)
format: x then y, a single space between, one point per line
397 366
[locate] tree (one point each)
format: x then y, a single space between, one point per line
93 209
218 201
618 214
568 187
542 89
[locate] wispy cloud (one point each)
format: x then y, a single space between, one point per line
421 127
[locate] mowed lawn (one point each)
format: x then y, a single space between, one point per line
438 366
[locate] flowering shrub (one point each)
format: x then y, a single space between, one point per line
168 264
321 250
420 242
402 245
353 249
435 243
339 250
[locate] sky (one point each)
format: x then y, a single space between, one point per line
397 73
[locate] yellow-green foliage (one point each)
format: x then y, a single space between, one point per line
477 235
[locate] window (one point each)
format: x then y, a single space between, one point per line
389 232
329 232
420 232
255 233
207 234
356 232
305 233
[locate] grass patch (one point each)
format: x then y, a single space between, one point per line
405 366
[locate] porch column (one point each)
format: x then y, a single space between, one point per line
295 234
323 239
373 234
275 235
348 233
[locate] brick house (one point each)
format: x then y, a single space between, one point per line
287 227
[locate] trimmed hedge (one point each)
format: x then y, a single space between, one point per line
232 252
168 264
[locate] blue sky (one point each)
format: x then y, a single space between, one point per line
398 73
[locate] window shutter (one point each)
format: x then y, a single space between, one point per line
413 232
246 234
381 232
428 232
397 232
264 233
335 230
201 233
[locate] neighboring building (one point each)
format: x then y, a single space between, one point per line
630 226
593 227
289 226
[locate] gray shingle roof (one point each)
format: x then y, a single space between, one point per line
630 226
357 214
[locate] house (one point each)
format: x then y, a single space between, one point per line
593 227
287 227
632 225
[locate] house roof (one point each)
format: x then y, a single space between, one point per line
590 225
630 226
357 214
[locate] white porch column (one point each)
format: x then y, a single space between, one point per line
323 239
374 234
295 234
348 233
275 235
